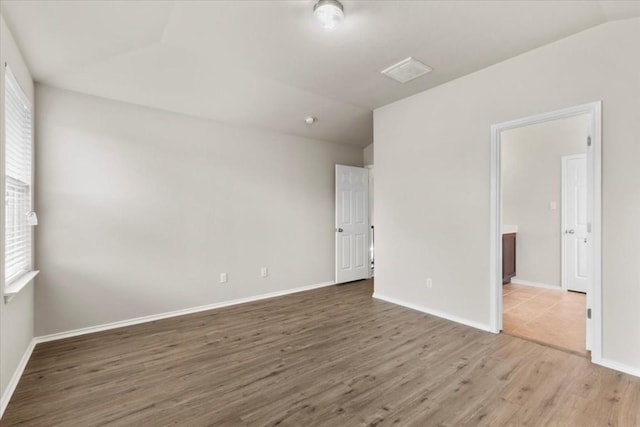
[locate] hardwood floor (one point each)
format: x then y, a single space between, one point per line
549 316
328 357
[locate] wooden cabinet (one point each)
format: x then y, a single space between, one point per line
508 257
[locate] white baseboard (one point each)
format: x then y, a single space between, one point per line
436 313
621 367
15 378
517 281
151 318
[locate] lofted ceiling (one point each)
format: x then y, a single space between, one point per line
267 64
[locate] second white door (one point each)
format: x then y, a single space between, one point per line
352 224
574 215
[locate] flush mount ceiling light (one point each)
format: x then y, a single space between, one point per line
406 70
310 120
329 13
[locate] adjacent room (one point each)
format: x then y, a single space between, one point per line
320 212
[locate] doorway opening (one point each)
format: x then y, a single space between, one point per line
545 229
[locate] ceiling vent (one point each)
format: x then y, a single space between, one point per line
406 70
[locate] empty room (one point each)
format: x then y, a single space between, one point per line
320 213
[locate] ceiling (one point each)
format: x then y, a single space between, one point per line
266 64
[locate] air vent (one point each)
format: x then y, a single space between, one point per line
406 70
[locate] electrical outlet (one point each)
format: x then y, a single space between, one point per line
223 278
429 283
264 272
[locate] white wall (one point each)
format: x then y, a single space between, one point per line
531 180
432 154
367 155
16 317
140 211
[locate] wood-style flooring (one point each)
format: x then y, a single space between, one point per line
549 316
328 357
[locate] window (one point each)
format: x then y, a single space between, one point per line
17 173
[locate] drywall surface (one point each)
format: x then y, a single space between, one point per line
433 176
531 182
367 155
141 211
16 317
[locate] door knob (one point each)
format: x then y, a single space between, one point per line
570 231
340 230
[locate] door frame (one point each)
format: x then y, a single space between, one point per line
564 278
594 203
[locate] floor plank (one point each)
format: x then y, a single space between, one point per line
327 357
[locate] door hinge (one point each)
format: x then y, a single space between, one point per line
588 313
588 141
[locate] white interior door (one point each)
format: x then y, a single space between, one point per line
352 224
574 212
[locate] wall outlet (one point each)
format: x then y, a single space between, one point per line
429 282
223 278
264 272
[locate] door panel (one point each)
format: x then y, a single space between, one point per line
345 244
581 268
352 224
360 252
361 207
346 208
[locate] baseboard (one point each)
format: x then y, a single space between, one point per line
15 378
517 281
436 313
621 367
166 315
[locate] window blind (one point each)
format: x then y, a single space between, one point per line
17 125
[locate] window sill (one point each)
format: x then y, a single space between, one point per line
17 285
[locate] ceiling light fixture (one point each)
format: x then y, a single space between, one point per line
310 120
329 13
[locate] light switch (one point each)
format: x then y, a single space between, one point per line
223 277
553 205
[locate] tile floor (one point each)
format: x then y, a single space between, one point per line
549 316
